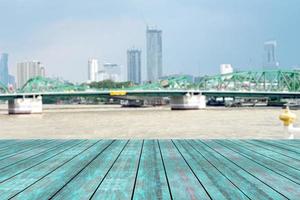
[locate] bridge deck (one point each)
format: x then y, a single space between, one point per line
149 169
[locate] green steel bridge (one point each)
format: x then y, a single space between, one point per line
271 83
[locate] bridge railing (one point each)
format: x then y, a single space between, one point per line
269 80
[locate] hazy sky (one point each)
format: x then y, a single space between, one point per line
198 35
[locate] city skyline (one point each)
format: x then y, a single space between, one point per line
198 35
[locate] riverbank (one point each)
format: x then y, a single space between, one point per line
112 121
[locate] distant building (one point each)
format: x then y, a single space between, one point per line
111 72
102 75
11 80
226 69
92 70
270 57
4 76
154 54
27 70
134 71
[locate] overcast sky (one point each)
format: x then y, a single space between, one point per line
198 35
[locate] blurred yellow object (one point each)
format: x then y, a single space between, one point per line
287 117
117 93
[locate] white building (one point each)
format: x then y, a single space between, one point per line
27 70
226 69
92 70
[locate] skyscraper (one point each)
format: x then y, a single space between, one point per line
270 57
92 70
27 70
134 73
4 68
154 54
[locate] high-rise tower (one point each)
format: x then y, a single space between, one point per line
154 54
92 70
134 72
270 57
4 77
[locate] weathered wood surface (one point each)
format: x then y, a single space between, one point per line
149 169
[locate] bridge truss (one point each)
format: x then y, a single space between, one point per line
250 81
269 80
3 88
42 84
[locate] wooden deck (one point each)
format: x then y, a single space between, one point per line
149 169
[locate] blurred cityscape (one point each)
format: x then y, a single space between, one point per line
99 71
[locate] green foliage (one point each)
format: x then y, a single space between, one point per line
109 84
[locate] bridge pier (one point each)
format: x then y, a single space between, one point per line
24 105
188 102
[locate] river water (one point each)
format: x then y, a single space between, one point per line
81 121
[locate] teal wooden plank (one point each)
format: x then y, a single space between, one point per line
182 181
7 143
281 151
282 146
10 151
213 180
294 143
286 187
277 167
119 182
290 162
248 184
29 154
86 182
25 150
13 170
17 183
63 174
15 143
4 141
151 181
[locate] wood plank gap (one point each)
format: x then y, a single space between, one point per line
54 169
38 154
108 170
217 169
40 162
244 169
278 146
289 142
82 169
137 170
13 143
163 162
274 150
262 165
26 150
192 170
266 156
